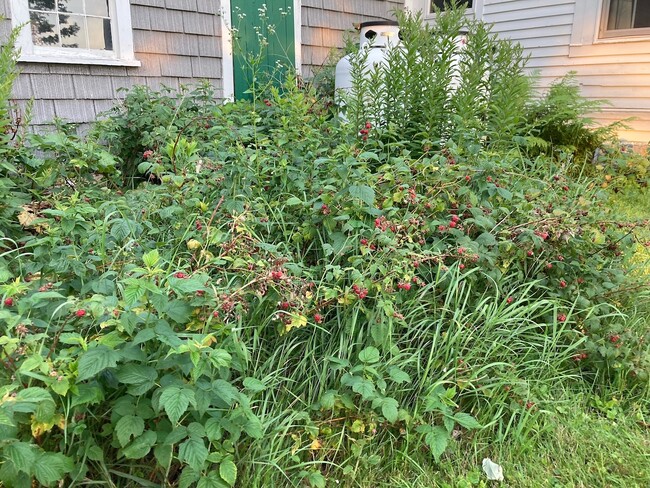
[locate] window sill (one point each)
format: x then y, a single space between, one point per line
90 60
617 39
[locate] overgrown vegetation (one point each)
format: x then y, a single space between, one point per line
287 300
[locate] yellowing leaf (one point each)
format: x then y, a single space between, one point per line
315 445
297 321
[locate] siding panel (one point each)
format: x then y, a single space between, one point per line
177 42
616 71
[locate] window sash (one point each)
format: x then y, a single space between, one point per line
122 39
440 4
618 17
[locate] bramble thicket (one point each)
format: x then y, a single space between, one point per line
259 294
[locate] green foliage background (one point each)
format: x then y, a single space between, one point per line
257 294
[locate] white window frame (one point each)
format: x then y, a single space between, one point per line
423 5
588 21
121 55
617 33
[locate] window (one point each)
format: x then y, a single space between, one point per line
625 18
75 31
441 4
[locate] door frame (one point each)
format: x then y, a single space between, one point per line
227 55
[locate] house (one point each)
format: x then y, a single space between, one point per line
606 42
75 55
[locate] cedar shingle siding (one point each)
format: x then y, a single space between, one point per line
177 42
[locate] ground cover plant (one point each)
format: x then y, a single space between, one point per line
255 294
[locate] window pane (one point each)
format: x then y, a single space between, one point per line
628 14
73 31
642 15
44 29
99 33
72 6
441 4
620 14
97 7
41 4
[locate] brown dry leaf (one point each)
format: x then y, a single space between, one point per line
27 216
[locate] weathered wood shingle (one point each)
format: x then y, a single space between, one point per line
176 41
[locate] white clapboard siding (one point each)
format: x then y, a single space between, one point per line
616 71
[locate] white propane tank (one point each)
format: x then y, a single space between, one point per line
376 39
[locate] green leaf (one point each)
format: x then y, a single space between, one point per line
363 387
175 401
211 481
127 427
369 355
253 427
293 201
163 454
188 477
398 376
389 409
133 292
225 391
328 399
213 429
141 378
486 239
220 358
176 435
228 471
317 480
179 311
254 385
364 193
34 394
467 421
151 258
437 439
193 452
22 455
96 360
6 418
141 446
51 467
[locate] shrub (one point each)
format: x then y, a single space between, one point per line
292 301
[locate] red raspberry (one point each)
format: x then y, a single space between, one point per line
562 284
80 313
561 318
9 302
180 275
318 318
452 224
509 300
404 286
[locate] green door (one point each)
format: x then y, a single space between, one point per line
264 42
